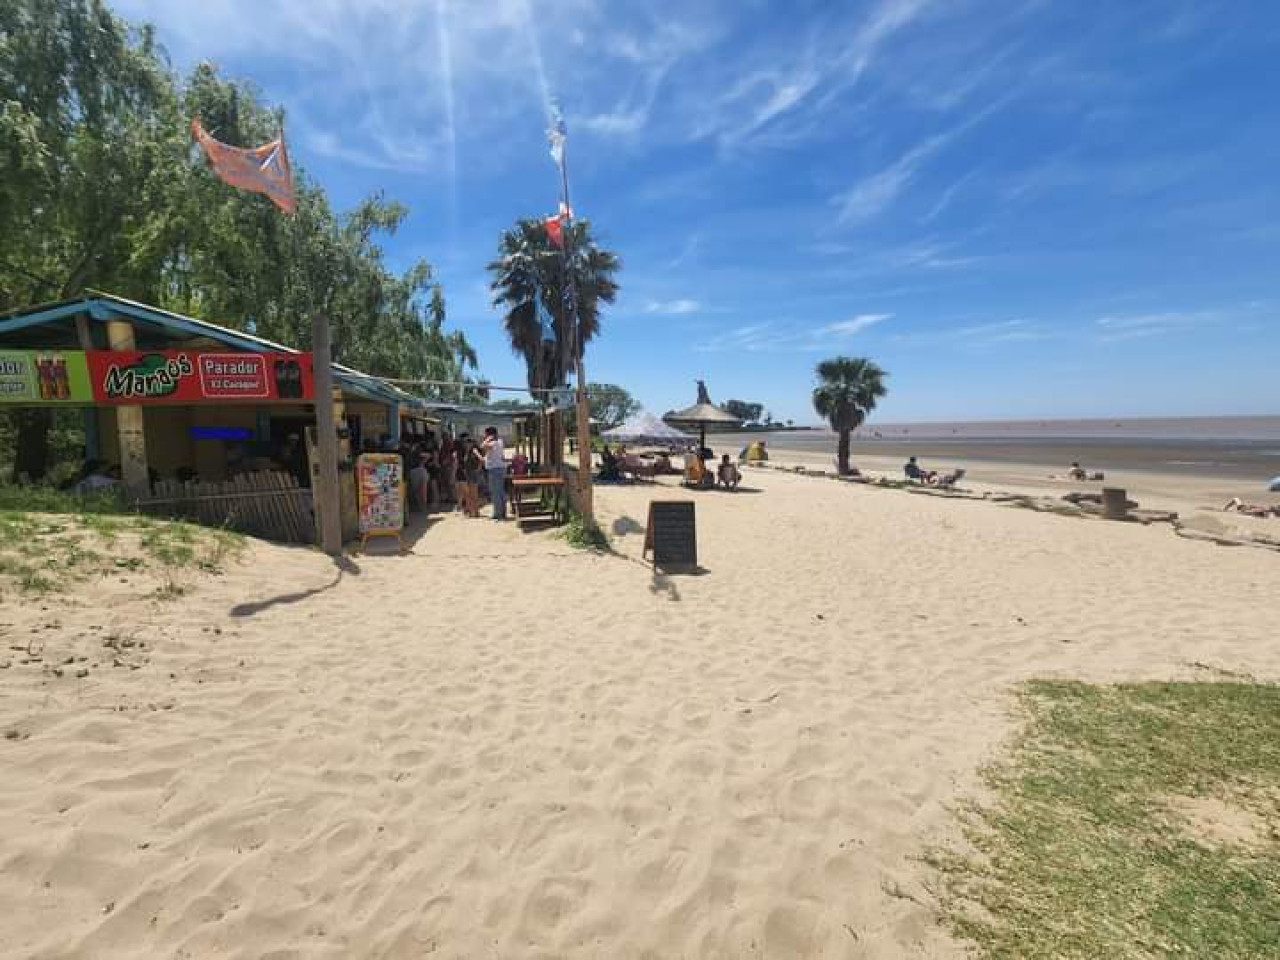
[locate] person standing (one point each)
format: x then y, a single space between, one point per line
470 467
495 465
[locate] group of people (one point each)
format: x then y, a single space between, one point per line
698 474
449 473
616 463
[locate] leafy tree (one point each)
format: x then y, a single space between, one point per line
83 159
746 412
529 265
100 187
847 391
610 404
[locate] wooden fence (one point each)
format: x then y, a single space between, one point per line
267 504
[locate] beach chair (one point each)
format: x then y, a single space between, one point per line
636 468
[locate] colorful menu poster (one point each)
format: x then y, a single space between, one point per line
190 376
40 377
380 493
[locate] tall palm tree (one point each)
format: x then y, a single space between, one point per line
528 263
847 391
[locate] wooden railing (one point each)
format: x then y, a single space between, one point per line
268 504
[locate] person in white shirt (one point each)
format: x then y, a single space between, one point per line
495 465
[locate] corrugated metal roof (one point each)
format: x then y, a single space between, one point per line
97 302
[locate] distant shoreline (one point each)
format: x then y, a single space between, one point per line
1261 428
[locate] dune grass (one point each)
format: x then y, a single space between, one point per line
1085 847
50 541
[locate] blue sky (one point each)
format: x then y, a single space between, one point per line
1019 208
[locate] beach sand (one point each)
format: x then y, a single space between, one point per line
499 746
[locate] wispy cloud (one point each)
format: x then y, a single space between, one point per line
778 336
949 194
977 336
1141 326
847 328
672 307
871 195
802 87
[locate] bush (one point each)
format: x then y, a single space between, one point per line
584 534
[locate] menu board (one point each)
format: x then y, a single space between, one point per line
672 535
41 377
380 493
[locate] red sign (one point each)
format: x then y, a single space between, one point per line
194 376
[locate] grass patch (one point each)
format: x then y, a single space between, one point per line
50 540
583 534
1086 849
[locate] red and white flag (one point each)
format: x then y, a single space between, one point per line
555 226
263 169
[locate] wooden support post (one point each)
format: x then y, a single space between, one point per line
327 505
585 505
130 423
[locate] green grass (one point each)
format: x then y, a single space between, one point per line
50 540
1082 851
579 532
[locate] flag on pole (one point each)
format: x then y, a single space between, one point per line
556 135
545 322
555 225
263 169
555 230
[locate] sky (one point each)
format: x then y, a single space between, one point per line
1018 208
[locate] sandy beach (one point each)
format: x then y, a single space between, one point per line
498 746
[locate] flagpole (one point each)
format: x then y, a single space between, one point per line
585 500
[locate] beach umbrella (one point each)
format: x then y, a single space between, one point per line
702 415
644 427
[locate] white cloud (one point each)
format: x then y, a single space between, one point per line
672 307
867 198
1139 326
776 336
846 328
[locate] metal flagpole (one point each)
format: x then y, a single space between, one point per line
585 505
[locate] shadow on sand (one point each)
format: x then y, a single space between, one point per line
344 565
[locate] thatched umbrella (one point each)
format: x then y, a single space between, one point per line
701 415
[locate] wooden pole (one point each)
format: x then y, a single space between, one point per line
327 503
586 505
130 425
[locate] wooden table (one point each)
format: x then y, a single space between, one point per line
533 511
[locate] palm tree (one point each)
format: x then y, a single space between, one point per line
847 391
528 263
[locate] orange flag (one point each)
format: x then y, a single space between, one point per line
263 169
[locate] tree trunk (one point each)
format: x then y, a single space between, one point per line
842 454
31 443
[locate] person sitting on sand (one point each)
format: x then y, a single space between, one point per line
609 472
914 471
1236 505
1077 472
728 473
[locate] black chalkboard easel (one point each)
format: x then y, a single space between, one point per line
672 535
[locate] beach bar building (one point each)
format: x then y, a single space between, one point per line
172 399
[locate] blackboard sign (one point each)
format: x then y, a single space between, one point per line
672 535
